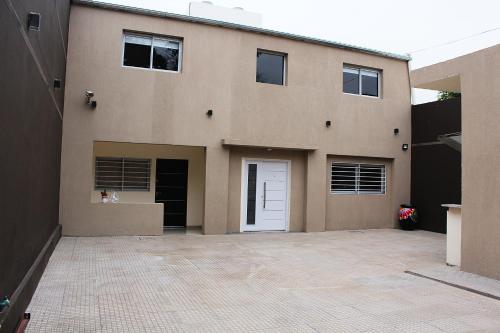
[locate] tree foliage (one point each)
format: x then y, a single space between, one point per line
445 95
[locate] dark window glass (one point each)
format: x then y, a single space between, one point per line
369 83
343 178
252 192
371 178
137 52
166 55
351 81
270 68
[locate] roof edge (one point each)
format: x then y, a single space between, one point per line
193 19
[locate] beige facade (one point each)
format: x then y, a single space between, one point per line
348 212
157 114
196 173
477 77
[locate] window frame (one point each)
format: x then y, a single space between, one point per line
123 161
360 69
285 63
153 37
357 178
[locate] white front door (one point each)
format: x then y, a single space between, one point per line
265 196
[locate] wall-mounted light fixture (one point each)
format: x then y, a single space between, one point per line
396 131
33 21
328 123
210 113
405 147
88 95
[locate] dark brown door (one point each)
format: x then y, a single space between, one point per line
171 190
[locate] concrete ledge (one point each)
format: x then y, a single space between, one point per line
119 219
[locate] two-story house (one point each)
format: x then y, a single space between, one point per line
194 122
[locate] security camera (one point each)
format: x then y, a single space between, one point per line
88 95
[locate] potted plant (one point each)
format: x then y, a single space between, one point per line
408 217
104 196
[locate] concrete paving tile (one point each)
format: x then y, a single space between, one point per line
260 282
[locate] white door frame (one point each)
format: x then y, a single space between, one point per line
243 202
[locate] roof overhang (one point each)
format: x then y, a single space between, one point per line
443 76
229 143
451 84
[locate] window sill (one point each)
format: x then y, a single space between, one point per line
372 97
357 194
271 84
152 69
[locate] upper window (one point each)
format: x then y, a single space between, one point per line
270 67
152 52
122 174
361 81
354 178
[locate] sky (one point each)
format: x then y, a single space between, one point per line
429 30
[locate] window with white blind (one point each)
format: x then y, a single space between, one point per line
152 52
356 178
122 174
361 81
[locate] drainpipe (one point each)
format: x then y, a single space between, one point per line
412 98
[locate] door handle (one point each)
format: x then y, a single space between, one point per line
264 195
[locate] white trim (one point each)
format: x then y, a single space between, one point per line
244 184
359 95
153 37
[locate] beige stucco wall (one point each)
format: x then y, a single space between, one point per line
363 211
121 219
218 73
297 184
479 74
196 173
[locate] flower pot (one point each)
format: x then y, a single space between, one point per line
408 217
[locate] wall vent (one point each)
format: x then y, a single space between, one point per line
34 21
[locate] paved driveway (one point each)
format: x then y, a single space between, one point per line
267 282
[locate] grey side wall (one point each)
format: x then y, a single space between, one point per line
30 139
436 168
